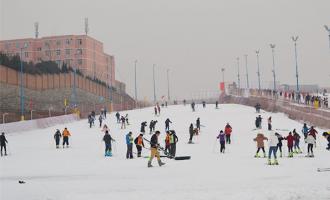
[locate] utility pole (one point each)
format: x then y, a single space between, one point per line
238 76
294 39
272 46
258 72
247 72
153 75
168 85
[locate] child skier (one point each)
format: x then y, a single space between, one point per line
66 134
154 149
222 140
290 140
296 138
139 144
260 144
57 138
326 135
310 140
272 141
129 143
3 142
279 144
228 130
107 140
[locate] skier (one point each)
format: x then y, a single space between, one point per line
167 142
296 138
129 143
158 108
260 144
258 106
66 134
3 142
310 140
290 140
326 135
167 124
151 126
154 125
272 142
123 122
228 130
222 140
107 140
216 105
156 111
305 130
100 120
259 121
118 117
193 106
184 102
173 140
204 104
57 138
198 124
139 144
279 144
313 132
143 127
154 149
270 123
90 121
105 112
126 118
191 133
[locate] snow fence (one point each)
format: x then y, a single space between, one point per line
38 123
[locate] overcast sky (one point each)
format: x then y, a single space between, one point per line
193 38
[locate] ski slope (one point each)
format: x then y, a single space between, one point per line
81 172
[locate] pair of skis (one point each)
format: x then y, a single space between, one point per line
323 169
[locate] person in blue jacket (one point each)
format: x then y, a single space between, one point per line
129 143
222 140
305 130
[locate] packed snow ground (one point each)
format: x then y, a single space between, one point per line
82 172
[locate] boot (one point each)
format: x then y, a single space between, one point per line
264 155
257 156
281 154
299 151
149 164
269 162
275 162
160 163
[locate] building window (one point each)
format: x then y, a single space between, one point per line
79 41
48 53
79 51
39 49
79 61
58 52
58 42
67 41
67 51
26 54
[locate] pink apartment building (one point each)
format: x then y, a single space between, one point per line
77 51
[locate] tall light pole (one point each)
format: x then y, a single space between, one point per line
238 77
135 80
168 85
21 83
328 30
153 75
272 46
247 72
223 79
294 39
258 72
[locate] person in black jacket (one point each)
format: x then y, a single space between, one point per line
143 127
3 142
118 117
198 124
191 133
107 140
173 140
154 145
167 124
57 138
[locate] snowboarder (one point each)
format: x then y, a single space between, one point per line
3 142
100 120
270 123
66 134
107 140
305 130
290 140
310 140
198 124
173 140
326 135
167 142
296 138
123 122
279 144
222 140
143 127
139 144
118 117
272 141
191 133
260 144
228 130
129 143
57 137
167 124
154 149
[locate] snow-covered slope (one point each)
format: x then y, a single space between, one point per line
82 172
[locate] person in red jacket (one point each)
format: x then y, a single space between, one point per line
290 140
228 130
312 132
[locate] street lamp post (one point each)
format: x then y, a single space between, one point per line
238 76
247 72
294 39
258 72
168 85
153 75
272 46
135 81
